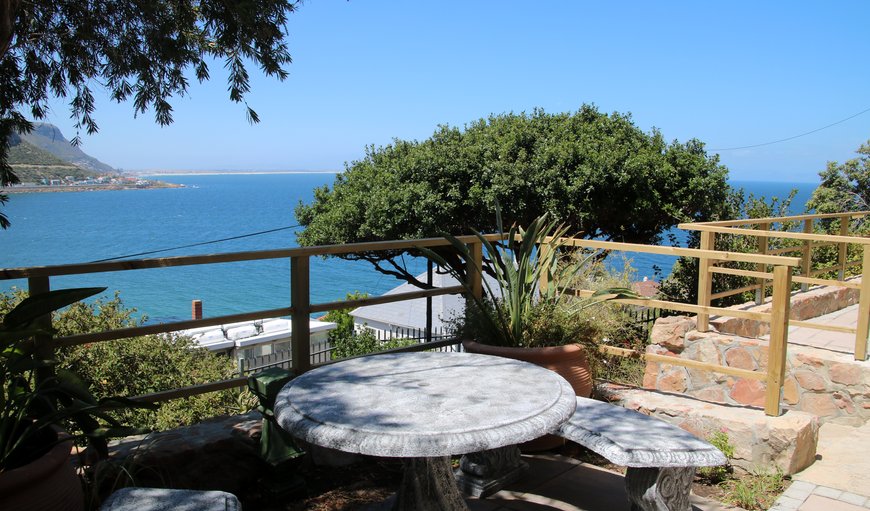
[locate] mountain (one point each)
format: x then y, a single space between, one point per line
48 137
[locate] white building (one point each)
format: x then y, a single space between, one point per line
257 338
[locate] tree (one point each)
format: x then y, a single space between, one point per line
844 187
139 49
598 173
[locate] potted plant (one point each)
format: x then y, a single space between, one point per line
527 313
43 410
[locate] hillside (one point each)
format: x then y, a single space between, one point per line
31 164
48 137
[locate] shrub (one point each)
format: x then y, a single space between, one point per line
140 365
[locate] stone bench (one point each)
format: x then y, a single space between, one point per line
661 458
161 499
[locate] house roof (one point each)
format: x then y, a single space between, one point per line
412 313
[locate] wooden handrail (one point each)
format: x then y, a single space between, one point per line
230 257
781 219
776 234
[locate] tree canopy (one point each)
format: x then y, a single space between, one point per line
142 50
599 173
844 187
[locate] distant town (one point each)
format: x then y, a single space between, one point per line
72 184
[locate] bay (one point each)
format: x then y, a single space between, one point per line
77 227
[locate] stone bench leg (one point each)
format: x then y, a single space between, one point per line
481 474
659 489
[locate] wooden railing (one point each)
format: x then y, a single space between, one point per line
804 242
778 318
299 309
300 306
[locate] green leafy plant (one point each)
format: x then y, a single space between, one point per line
756 491
36 398
532 279
720 473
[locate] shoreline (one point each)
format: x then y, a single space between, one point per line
165 173
88 188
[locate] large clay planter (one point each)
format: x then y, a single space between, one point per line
569 361
47 483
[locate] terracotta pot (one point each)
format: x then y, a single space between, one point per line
569 361
47 483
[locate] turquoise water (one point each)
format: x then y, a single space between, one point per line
74 227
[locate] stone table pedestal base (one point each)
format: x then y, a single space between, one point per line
481 474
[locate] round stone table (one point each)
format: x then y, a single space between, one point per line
424 407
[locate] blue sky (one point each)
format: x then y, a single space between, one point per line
729 73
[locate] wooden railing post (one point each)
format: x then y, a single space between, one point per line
778 347
705 280
475 279
762 249
841 257
807 254
44 343
863 308
300 299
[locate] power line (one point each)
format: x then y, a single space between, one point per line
796 136
197 244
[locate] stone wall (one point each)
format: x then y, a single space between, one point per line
828 384
813 303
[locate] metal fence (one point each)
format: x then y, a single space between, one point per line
321 351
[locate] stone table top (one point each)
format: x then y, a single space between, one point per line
424 404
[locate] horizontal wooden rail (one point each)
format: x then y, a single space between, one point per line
685 252
783 250
694 364
192 390
123 333
732 292
231 257
776 234
162 328
682 307
800 280
826 282
742 273
822 326
781 219
377 300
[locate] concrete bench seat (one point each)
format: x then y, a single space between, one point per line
161 499
661 458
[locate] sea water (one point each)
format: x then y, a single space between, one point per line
77 227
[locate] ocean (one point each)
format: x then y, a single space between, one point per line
76 227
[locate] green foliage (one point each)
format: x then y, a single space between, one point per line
364 342
844 187
144 52
35 397
598 173
141 365
343 319
714 475
532 276
755 492
682 284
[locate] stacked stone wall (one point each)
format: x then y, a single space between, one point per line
828 384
